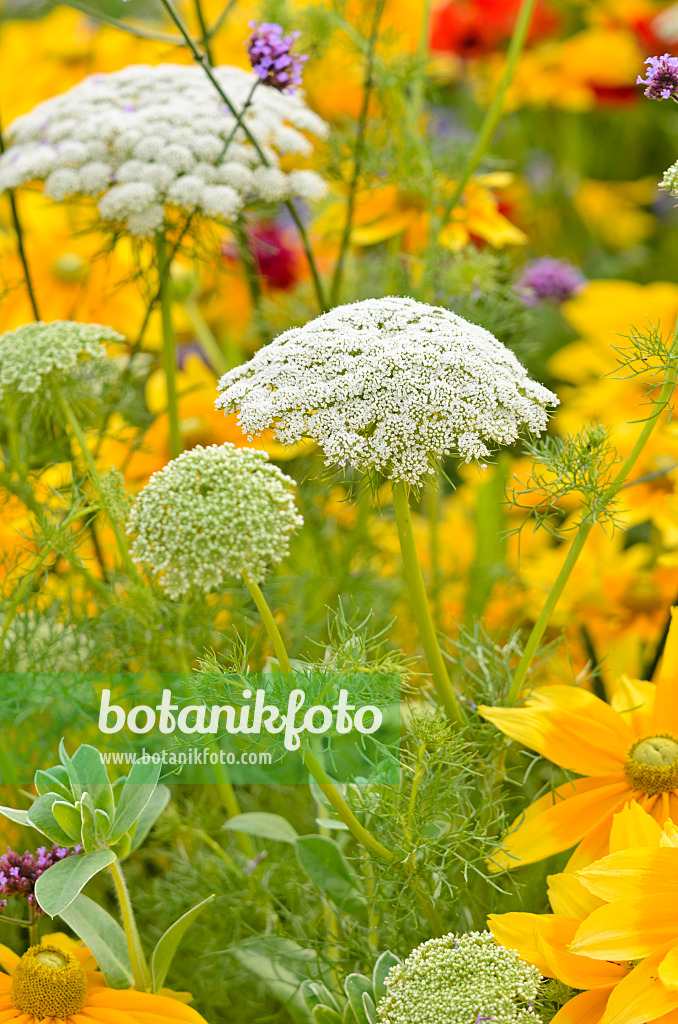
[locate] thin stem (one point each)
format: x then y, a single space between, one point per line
494 111
17 921
142 977
328 788
358 153
420 605
32 926
79 435
18 230
487 129
587 522
199 58
208 343
169 350
252 275
204 31
232 808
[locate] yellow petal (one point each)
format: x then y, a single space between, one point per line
569 897
552 938
633 826
638 871
586 1008
517 931
669 835
560 825
144 1003
668 969
569 726
641 997
8 959
628 929
634 698
666 698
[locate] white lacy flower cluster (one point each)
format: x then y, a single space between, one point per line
461 979
389 385
29 353
146 138
212 514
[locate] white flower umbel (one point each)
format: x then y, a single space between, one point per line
462 979
145 139
388 385
391 386
30 353
213 514
670 179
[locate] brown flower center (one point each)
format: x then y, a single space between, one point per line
652 765
49 982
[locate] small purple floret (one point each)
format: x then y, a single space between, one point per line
662 78
549 280
271 58
19 873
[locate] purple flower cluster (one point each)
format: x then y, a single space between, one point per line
549 280
662 78
271 59
18 874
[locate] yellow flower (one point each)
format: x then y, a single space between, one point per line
548 940
383 212
51 982
624 751
613 210
637 921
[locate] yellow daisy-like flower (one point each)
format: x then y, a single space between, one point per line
567 944
52 983
624 751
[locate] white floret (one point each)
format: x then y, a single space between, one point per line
146 126
388 385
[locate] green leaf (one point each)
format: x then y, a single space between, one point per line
88 823
67 816
325 1015
369 1009
14 814
167 945
138 789
40 816
263 958
103 935
324 863
266 826
355 986
53 781
383 965
59 886
148 817
314 993
88 774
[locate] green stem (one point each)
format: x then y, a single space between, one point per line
208 343
420 605
494 111
358 153
204 31
199 58
79 435
487 129
252 275
169 353
232 808
142 977
18 230
330 791
587 522
32 926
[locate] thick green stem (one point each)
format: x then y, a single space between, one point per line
142 976
330 791
587 522
420 606
169 348
79 435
